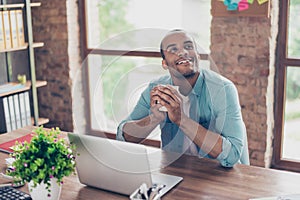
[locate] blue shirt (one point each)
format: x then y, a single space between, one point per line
214 104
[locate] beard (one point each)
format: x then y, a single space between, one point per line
189 75
184 75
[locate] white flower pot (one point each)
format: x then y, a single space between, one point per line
41 193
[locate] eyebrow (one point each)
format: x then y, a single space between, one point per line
186 42
170 45
189 41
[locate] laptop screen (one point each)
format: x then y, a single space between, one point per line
110 164
118 166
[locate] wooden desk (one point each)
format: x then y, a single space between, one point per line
202 179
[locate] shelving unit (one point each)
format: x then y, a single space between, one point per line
19 5
35 45
26 87
29 46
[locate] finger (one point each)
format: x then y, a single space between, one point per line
155 99
165 93
170 97
175 90
153 92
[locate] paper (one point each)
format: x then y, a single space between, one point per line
283 197
8 87
163 108
250 1
243 5
232 7
226 2
262 1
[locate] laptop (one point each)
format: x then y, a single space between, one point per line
116 166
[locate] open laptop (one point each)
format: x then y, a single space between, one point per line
117 166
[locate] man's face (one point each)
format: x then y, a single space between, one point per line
180 55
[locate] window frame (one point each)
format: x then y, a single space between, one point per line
283 62
85 51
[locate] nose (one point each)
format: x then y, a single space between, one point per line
182 52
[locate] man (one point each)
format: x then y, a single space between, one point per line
202 117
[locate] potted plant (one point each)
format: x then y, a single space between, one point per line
43 163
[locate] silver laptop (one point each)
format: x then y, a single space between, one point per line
117 166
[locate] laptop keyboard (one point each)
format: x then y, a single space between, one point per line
10 193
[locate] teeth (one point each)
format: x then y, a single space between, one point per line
183 62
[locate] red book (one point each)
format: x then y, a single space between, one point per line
7 146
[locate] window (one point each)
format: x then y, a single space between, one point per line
287 135
122 40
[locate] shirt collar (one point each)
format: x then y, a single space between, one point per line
198 85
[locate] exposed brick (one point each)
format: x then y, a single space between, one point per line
243 57
51 27
264 72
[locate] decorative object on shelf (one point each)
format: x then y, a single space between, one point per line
43 163
22 78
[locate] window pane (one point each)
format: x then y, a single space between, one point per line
294 30
115 86
109 18
291 139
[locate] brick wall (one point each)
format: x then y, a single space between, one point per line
53 61
243 50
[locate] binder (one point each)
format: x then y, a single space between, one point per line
2 40
6 25
7 114
12 112
5 125
17 111
27 108
13 28
20 28
22 109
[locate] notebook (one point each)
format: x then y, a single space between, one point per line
116 166
7 146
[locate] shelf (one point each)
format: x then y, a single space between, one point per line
41 121
38 44
19 5
11 88
14 49
35 45
37 4
17 87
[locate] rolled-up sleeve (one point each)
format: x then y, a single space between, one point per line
230 124
119 135
141 110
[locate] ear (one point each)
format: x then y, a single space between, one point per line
199 56
164 64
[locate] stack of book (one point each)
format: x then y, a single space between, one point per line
11 29
15 112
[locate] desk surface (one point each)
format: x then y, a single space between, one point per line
202 179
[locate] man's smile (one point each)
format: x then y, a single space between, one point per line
182 61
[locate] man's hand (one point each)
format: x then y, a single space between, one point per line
170 98
155 105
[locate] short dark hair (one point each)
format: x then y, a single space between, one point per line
161 48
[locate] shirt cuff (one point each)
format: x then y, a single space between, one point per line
120 135
226 147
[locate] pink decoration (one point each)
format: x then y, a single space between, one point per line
243 5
